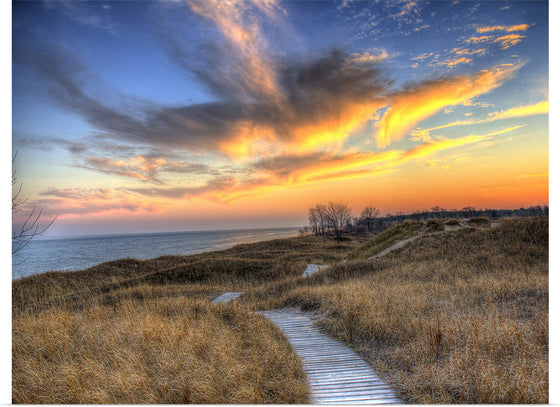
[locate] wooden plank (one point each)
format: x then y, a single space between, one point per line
374 392
334 357
381 402
338 364
344 389
342 381
367 383
351 372
355 398
356 395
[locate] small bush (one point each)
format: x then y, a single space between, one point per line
435 225
479 221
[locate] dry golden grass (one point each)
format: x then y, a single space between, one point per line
157 351
458 317
235 269
452 317
134 331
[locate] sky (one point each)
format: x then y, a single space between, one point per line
205 114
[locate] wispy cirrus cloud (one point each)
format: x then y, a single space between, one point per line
506 28
417 102
536 174
77 202
514 112
249 73
478 40
507 41
139 167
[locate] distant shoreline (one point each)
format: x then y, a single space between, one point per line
131 234
79 253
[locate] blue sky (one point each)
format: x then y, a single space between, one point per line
180 115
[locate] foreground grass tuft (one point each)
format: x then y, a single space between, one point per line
158 351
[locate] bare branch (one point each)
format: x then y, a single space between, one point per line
31 226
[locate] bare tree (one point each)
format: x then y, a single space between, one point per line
313 217
22 235
323 219
368 214
318 220
338 214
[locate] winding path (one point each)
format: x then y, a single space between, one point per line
335 373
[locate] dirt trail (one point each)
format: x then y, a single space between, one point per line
422 232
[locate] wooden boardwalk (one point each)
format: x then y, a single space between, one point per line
336 374
227 297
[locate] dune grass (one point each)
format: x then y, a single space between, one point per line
460 317
157 351
234 269
457 316
133 331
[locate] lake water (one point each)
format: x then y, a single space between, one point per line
77 253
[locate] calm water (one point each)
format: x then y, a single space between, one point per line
66 254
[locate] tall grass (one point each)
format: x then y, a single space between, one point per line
458 317
452 317
158 351
132 331
239 268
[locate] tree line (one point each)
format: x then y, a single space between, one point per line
336 217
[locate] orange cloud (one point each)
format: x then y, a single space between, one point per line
510 28
509 40
451 63
519 111
538 174
466 51
361 164
478 40
293 170
419 102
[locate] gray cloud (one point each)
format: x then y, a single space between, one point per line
80 193
286 164
309 92
214 185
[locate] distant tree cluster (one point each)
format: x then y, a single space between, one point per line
336 217
332 217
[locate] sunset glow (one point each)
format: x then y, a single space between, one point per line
208 114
